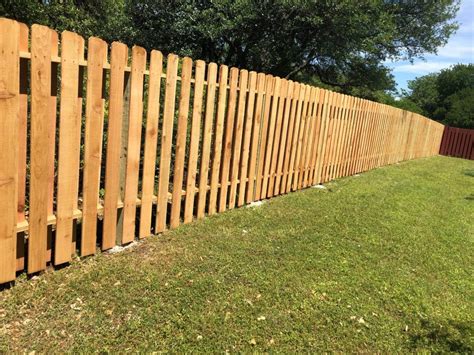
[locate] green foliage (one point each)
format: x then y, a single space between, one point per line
447 96
340 43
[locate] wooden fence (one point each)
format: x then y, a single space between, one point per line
98 151
458 142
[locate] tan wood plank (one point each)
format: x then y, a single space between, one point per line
179 166
238 133
228 134
133 145
41 38
301 122
166 140
269 87
72 51
270 137
284 134
307 135
289 139
256 130
9 128
218 137
22 145
151 140
206 139
118 62
96 58
194 141
249 115
277 138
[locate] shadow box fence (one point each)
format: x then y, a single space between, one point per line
98 150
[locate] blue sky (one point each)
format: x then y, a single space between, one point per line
459 49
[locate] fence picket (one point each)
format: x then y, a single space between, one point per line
183 114
9 128
96 59
151 140
194 141
72 51
118 62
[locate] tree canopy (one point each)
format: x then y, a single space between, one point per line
447 96
342 44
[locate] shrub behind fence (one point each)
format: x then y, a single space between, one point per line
97 152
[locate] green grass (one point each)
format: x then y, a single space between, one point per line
379 262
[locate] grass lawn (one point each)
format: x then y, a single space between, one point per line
377 262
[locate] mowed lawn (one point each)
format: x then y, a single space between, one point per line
377 262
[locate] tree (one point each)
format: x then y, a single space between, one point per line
339 43
447 96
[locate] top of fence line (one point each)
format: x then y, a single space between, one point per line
26 54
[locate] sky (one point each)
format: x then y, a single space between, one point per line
459 49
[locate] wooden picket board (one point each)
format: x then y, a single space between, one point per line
295 139
332 110
228 137
345 130
343 139
41 38
352 136
22 122
317 134
280 170
207 138
194 142
133 144
301 138
289 138
307 140
269 87
96 59
118 62
277 138
256 132
22 145
323 137
180 148
72 52
151 141
310 142
218 138
9 128
267 148
244 166
238 133
166 140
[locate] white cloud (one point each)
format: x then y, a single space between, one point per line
422 67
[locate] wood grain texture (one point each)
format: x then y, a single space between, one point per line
166 140
72 51
194 141
118 62
9 128
41 38
180 148
206 138
133 144
151 140
218 138
96 59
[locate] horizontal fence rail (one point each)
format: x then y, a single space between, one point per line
102 145
458 142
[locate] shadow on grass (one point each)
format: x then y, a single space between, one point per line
445 335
